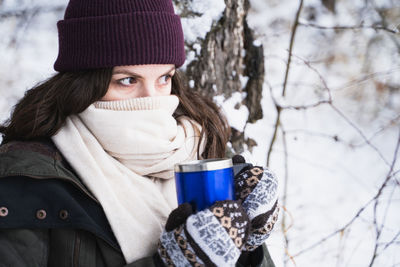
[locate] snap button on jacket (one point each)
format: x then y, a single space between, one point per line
3 211
63 214
41 214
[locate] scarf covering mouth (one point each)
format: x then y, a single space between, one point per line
124 152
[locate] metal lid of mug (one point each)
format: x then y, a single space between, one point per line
203 165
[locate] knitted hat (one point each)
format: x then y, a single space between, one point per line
107 33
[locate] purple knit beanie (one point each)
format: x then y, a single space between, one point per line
108 33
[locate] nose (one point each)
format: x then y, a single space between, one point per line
148 89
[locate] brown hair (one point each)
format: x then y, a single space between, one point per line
44 108
215 127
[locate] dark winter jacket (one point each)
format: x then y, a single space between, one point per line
49 218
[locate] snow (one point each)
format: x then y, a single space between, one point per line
257 43
30 60
197 48
190 56
198 27
328 180
243 80
331 170
191 84
237 117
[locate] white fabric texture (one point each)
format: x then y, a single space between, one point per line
263 197
174 251
212 238
124 152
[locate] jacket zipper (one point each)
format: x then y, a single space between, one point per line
77 247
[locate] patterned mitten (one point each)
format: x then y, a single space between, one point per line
211 237
257 188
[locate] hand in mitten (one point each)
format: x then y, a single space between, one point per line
257 188
211 237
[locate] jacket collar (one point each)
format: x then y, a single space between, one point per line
39 160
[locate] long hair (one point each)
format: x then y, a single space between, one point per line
215 127
44 108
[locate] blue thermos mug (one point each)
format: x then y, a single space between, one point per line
202 182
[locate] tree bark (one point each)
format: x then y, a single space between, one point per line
228 57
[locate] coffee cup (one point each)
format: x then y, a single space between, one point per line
203 182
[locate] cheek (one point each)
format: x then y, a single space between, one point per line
169 89
114 93
166 90
109 94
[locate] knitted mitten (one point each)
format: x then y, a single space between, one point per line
212 237
257 188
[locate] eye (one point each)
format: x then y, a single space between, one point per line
127 81
165 79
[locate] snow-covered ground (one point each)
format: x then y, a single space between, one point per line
331 171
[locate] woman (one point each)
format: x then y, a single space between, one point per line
87 158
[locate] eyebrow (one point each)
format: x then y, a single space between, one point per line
131 73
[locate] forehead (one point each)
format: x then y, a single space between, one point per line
144 70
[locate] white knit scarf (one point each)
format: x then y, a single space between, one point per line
124 152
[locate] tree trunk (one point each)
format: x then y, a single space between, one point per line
228 57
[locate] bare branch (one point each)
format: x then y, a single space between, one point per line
327 99
379 194
285 187
20 13
24 17
390 123
290 257
296 23
22 27
391 241
378 232
387 207
330 102
361 210
341 114
333 137
326 238
276 126
306 106
365 78
356 27
321 78
384 23
278 110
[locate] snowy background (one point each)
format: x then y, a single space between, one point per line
334 157
335 150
